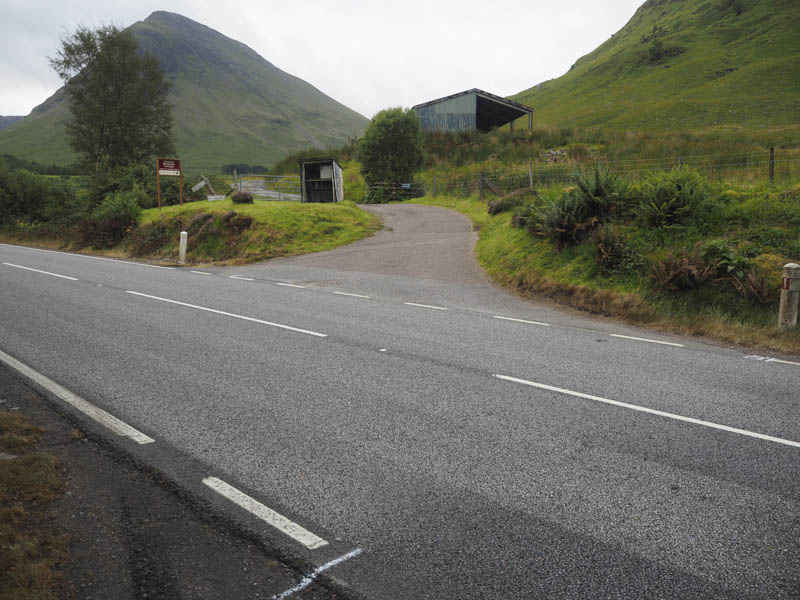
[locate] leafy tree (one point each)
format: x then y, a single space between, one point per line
391 148
117 96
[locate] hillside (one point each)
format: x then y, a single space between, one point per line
686 64
229 104
7 121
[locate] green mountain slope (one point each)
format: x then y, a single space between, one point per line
685 64
7 121
229 104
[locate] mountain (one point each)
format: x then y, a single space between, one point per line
6 121
229 104
685 64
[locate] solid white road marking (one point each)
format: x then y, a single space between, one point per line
125 262
278 521
785 362
353 295
522 321
200 272
240 278
308 580
302 287
42 272
652 411
227 314
90 410
639 339
426 306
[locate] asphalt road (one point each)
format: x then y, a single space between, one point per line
443 437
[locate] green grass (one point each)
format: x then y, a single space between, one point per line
531 266
738 71
278 229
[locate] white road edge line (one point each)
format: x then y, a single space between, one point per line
639 339
254 507
309 579
522 321
240 278
784 362
653 411
124 262
98 414
227 314
201 272
42 272
353 295
426 306
302 287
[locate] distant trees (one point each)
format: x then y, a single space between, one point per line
244 169
391 150
117 97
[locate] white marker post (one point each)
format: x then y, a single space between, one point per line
182 247
790 294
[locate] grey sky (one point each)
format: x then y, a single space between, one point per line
367 55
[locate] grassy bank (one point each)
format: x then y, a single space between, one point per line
534 267
224 232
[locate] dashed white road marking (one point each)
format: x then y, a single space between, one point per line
382 350
652 411
240 278
426 306
227 314
125 262
200 272
293 285
266 514
90 410
353 295
39 271
785 362
522 321
640 339
309 579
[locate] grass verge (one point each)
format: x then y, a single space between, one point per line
532 267
29 481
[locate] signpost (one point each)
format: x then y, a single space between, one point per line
170 167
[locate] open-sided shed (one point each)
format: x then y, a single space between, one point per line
321 180
473 109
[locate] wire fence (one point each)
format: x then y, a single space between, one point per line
734 168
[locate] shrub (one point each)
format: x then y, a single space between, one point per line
601 191
242 198
670 198
109 223
566 220
687 272
612 254
507 202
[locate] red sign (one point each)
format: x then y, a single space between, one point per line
786 283
169 166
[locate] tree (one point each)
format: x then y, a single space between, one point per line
391 149
117 96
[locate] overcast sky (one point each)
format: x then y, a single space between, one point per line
367 55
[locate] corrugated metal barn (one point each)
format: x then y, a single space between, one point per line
473 109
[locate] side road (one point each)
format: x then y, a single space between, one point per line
127 535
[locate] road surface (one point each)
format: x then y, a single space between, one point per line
389 418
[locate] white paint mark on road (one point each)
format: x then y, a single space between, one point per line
522 321
294 285
309 579
42 272
382 350
254 507
353 295
227 314
90 410
639 339
125 262
240 278
426 306
785 362
200 272
652 411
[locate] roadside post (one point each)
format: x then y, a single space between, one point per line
182 247
790 294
